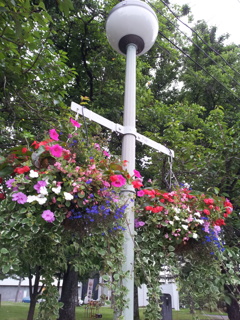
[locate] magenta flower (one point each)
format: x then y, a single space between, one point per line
140 193
20 197
137 174
56 150
106 154
75 123
118 180
53 134
48 216
39 184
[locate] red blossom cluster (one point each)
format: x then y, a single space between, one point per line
20 170
216 208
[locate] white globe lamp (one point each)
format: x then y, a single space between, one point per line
132 21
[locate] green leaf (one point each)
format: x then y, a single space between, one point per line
6 171
2 159
112 249
5 269
116 276
35 228
171 248
105 277
4 251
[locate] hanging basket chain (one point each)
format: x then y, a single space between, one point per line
170 177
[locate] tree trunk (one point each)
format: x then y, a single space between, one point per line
34 291
18 289
32 307
68 295
136 307
233 310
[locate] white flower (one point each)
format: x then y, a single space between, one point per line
199 221
57 189
195 235
176 218
33 174
68 196
31 198
170 222
41 200
43 190
184 226
177 210
197 214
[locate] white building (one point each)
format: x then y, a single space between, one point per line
15 290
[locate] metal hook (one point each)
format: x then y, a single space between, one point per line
170 175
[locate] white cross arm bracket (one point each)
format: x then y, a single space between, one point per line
119 128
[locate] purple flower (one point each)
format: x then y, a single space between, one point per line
138 223
20 197
206 226
48 216
39 184
10 182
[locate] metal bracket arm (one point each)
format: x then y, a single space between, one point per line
119 128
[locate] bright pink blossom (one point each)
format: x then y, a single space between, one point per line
137 174
53 134
106 154
75 123
56 150
118 180
140 193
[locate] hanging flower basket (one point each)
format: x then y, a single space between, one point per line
183 217
65 181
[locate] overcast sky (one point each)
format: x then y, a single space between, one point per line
225 14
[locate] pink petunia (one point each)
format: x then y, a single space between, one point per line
140 193
137 174
118 180
48 216
75 123
106 154
53 134
56 150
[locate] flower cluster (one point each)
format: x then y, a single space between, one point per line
181 214
58 179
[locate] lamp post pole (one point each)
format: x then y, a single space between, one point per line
129 154
132 27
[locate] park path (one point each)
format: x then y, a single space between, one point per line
216 317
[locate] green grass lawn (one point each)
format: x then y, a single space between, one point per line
18 311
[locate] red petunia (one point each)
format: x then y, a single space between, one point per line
209 201
137 184
148 208
206 211
219 222
157 209
35 144
21 170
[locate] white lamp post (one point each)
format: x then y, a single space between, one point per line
131 28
